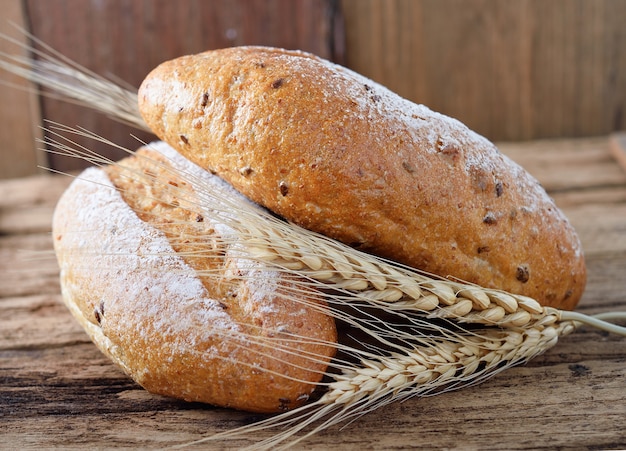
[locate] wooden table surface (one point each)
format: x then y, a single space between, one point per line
58 391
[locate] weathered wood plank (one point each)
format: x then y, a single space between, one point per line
26 271
568 164
617 144
517 70
28 191
19 108
602 229
571 397
26 204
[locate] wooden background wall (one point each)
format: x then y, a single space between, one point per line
509 69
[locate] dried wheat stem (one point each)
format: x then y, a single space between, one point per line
73 83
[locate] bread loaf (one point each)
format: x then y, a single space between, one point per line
218 329
341 155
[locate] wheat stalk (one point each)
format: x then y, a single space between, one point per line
438 335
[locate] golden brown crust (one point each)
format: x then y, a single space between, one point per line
207 329
338 154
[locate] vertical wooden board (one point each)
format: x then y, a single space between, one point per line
613 89
473 53
510 70
577 55
127 38
19 112
454 56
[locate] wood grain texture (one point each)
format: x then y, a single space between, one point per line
19 107
526 69
128 38
58 391
617 143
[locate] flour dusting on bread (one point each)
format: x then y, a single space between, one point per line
169 294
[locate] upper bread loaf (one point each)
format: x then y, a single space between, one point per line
341 155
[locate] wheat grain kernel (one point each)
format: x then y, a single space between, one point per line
394 364
340 262
342 386
360 379
532 334
294 265
506 301
469 368
489 357
397 381
496 358
437 359
567 328
547 320
370 372
411 289
516 319
445 354
427 303
322 274
549 333
529 304
477 296
354 284
461 308
469 350
406 284
403 282
386 374
415 369
262 253
378 366
423 377
492 315
511 355
447 371
388 295
443 291
347 397
421 358
372 273
312 261
391 294
370 385
552 342
514 337
489 316
491 344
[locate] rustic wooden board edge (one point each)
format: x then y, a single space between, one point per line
617 146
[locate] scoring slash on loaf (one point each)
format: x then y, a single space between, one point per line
340 155
163 291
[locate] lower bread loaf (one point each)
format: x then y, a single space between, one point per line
341 155
214 329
